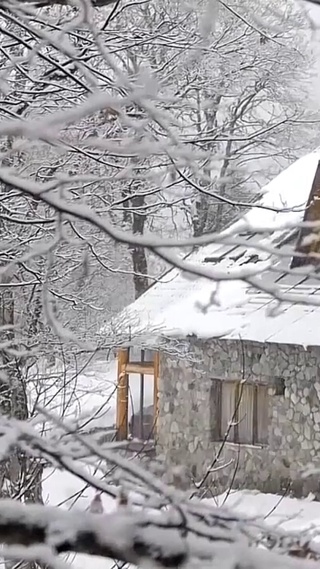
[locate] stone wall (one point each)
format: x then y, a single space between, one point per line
186 409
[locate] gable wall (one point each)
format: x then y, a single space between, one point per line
186 407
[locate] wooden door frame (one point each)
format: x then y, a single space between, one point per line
125 367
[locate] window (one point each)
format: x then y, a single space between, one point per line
245 406
137 355
279 386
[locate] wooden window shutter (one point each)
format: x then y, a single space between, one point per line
245 413
228 400
215 409
262 414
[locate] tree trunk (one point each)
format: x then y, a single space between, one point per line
204 218
20 476
139 258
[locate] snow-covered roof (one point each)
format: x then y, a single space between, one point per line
174 306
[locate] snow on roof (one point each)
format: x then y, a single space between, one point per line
288 192
176 305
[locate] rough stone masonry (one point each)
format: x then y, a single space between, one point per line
186 407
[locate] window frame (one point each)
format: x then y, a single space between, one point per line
258 422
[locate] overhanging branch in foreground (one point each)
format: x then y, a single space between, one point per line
95 3
135 537
116 535
46 3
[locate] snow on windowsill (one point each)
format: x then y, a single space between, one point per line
237 446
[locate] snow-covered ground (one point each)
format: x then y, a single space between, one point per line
291 514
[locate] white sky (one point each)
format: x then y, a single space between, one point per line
314 12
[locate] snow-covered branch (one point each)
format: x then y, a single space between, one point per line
135 537
48 3
95 3
114 536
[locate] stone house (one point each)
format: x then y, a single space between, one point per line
236 371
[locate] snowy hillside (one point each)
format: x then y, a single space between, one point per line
86 395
